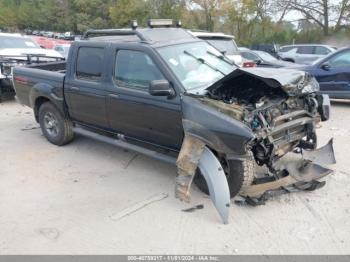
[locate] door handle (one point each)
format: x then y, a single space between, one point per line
115 96
75 88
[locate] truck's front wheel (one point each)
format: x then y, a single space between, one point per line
239 174
57 129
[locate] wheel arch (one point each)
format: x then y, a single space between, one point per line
39 101
42 93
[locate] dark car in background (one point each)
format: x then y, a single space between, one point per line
264 59
333 73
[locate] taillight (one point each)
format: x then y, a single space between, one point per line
249 64
21 80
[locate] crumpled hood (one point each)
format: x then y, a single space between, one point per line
8 52
291 81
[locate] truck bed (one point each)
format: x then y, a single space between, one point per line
52 66
47 78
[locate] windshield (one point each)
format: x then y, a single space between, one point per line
224 45
266 56
196 65
325 58
16 42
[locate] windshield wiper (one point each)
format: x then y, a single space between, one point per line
221 57
202 61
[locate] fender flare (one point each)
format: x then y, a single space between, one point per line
216 180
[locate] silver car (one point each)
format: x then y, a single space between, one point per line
304 54
224 43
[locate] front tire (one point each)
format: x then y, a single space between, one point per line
57 129
239 174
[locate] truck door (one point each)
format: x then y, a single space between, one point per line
85 87
132 110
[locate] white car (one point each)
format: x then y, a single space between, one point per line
15 50
17 46
224 43
304 54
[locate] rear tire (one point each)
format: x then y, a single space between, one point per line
239 174
57 129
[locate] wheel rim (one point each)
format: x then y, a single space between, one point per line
51 124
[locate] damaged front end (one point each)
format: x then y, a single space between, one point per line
267 112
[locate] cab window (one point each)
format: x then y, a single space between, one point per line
59 49
135 69
286 48
249 56
306 50
90 63
340 60
321 50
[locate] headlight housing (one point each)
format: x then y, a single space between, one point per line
312 86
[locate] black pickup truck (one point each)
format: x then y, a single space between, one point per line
169 95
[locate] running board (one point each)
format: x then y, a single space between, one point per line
126 145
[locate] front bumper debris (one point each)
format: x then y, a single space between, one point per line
302 174
195 154
298 175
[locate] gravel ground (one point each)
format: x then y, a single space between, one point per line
75 200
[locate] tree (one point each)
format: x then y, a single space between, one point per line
123 12
210 9
321 12
166 8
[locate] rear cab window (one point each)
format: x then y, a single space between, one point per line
249 56
89 64
226 45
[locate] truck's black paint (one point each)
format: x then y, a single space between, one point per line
103 105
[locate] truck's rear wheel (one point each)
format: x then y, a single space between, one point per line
239 174
57 129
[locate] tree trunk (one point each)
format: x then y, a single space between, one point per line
326 18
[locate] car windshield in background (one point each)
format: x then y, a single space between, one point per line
266 56
224 45
197 65
16 42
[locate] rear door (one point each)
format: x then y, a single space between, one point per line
85 86
132 111
335 79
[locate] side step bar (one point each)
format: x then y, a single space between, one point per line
126 145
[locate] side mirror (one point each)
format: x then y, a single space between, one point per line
161 88
326 66
257 61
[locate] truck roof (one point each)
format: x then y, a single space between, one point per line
152 36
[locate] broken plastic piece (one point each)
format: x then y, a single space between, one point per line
187 163
214 175
321 156
192 209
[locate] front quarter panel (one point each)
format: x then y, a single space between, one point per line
220 132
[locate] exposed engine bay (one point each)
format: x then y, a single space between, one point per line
283 118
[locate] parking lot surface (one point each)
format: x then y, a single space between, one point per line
92 198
